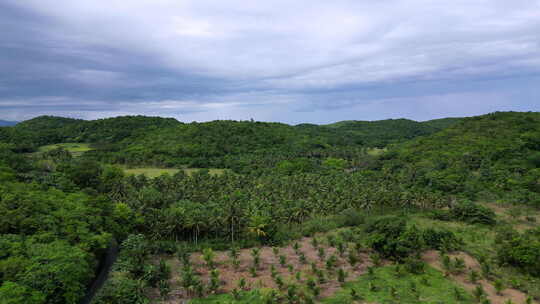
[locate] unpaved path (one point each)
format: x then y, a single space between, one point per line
432 257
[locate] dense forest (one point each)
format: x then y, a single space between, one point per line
392 189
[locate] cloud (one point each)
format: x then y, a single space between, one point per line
277 60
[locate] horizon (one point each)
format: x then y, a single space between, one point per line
242 120
233 60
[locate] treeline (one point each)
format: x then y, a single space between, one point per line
237 145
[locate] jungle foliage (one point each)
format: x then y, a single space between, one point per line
60 212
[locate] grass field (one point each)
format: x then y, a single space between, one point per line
155 172
376 151
76 149
388 286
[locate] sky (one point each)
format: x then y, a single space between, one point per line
313 61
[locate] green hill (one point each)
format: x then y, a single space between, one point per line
494 154
141 140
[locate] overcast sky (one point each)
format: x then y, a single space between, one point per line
290 61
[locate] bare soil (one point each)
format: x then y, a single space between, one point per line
230 276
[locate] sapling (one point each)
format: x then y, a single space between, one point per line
498 286
279 282
342 275
208 256
315 243
352 258
242 284
458 266
457 294
282 260
296 247
478 292
355 295
341 248
302 258
273 271
331 240
331 262
321 253
290 268
473 276
256 254
253 271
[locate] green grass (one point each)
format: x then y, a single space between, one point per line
155 172
438 290
480 241
256 296
76 149
375 151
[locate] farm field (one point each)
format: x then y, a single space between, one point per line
337 268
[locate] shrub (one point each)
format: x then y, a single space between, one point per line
121 289
521 250
350 217
472 213
441 239
414 265
390 237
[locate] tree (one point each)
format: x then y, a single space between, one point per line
13 293
59 271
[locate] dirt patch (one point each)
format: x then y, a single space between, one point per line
432 257
230 277
519 222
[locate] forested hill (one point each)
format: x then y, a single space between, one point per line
168 142
381 133
43 130
497 153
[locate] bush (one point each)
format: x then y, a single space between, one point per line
319 224
520 250
121 289
472 213
415 265
390 237
350 217
441 239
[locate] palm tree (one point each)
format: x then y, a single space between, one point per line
257 225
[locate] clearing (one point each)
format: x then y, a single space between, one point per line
152 172
76 149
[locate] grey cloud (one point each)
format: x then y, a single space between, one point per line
274 60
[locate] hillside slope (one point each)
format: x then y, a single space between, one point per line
494 154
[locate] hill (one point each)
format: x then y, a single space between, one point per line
494 154
140 140
384 132
46 130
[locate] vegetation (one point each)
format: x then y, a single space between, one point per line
385 287
381 193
